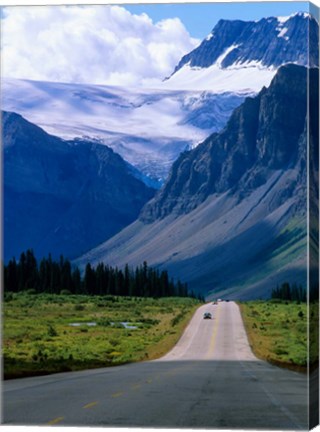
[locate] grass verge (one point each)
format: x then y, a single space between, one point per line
277 332
45 333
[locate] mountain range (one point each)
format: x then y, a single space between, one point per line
247 54
63 197
232 216
271 42
223 140
149 128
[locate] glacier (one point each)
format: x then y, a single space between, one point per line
149 128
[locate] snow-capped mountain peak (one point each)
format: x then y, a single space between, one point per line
258 47
256 41
148 127
284 19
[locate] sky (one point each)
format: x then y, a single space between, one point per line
200 18
115 45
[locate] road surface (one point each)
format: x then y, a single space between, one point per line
210 379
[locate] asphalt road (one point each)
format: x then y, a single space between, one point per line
209 380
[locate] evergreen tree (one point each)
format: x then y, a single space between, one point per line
76 281
100 279
89 280
126 281
55 278
289 293
11 276
22 272
65 275
31 270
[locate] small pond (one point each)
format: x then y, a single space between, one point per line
125 324
89 324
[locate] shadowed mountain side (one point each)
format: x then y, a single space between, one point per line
314 182
217 246
63 197
232 215
266 133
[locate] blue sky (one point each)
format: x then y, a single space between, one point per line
200 18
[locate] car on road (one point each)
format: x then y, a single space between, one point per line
207 315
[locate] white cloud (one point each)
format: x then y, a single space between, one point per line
92 44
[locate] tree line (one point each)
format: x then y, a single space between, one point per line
289 292
56 277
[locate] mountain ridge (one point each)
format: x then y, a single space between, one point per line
228 230
247 54
271 41
206 174
62 197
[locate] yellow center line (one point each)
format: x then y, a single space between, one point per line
55 421
149 381
135 386
90 405
115 395
214 335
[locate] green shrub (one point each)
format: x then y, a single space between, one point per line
177 319
52 331
8 296
65 292
104 322
280 351
30 291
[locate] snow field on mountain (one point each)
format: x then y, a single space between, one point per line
77 109
242 78
148 127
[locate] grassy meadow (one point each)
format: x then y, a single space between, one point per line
46 333
278 332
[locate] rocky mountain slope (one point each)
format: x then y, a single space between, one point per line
231 217
272 42
248 53
63 197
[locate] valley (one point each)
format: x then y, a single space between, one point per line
212 157
63 197
165 190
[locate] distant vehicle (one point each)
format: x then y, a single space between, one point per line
215 302
207 315
220 300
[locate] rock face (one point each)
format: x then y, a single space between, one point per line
262 136
63 197
231 217
269 42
